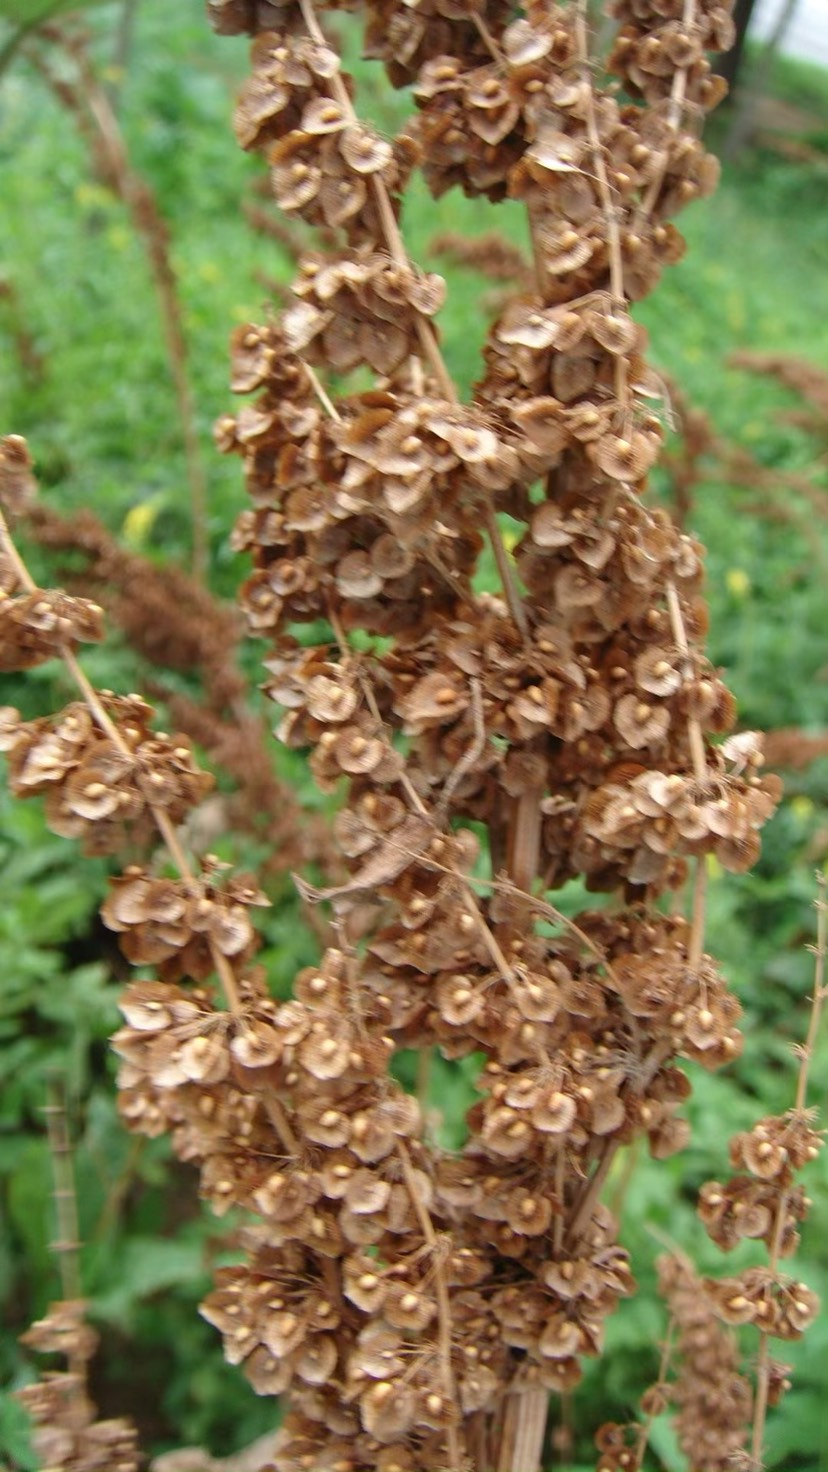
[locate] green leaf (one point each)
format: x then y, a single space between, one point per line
148 1266
27 15
35 12
15 1435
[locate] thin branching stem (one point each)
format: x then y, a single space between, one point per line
599 166
67 1246
646 1425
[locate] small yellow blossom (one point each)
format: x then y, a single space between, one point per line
118 237
89 195
738 582
139 522
802 806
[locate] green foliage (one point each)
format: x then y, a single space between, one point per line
20 18
101 426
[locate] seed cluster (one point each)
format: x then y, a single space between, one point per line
570 716
712 1397
66 1433
405 1299
97 789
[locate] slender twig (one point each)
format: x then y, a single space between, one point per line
584 1204
471 755
616 264
694 731
67 1246
695 946
321 392
646 1424
119 1189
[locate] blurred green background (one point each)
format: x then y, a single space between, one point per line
83 374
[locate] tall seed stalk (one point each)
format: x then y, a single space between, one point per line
418 1307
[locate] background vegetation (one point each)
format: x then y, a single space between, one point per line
83 374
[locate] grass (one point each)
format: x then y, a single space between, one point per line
104 433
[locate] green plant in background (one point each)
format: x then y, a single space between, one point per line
765 918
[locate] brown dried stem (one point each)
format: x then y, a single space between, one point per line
663 1367
67 1246
616 265
585 1203
523 1433
694 731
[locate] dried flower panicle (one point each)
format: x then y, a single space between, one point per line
67 1436
416 1307
765 1201
96 787
174 623
713 1399
806 379
568 716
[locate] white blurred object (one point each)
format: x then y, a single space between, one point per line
805 36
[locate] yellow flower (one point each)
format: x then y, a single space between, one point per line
139 522
118 237
93 196
738 582
802 806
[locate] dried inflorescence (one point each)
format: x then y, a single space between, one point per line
712 1398
416 1307
176 624
766 1202
67 1436
570 717
98 788
806 379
